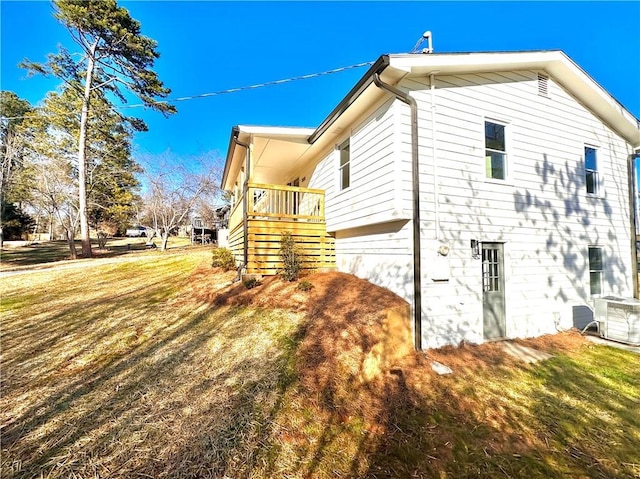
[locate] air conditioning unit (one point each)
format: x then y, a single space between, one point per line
618 319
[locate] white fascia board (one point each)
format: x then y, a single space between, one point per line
471 62
596 98
276 131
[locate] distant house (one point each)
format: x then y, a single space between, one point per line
491 190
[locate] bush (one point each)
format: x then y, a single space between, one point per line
290 256
223 258
305 285
251 283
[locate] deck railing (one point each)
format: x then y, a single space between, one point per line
277 202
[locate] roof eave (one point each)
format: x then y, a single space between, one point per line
378 66
554 62
230 151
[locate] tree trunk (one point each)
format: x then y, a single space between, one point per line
165 240
1 220
82 157
6 163
72 244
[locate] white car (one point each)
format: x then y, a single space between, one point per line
136 231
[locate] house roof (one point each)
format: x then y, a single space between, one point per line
291 142
392 68
554 62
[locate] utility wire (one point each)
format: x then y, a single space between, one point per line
235 90
253 87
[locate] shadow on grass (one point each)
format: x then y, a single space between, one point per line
52 251
145 381
165 387
571 416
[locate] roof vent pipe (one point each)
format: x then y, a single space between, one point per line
426 36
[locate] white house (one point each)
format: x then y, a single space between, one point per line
492 191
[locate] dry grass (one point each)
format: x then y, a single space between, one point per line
117 371
16 255
165 369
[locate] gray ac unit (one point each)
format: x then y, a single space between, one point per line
618 319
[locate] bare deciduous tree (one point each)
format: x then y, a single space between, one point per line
173 189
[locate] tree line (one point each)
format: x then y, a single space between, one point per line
70 158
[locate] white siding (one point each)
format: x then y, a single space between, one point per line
379 253
371 219
372 196
542 212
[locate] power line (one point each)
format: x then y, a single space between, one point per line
253 87
235 90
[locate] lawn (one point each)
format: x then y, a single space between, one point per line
52 251
162 368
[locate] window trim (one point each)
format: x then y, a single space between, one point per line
340 147
598 181
593 270
506 152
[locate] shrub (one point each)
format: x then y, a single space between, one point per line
305 285
223 258
290 256
251 283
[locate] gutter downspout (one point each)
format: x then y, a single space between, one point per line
417 279
633 203
245 188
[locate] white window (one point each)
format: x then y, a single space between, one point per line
591 170
345 165
596 269
495 151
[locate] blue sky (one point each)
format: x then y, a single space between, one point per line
211 46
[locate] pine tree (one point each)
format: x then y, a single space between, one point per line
12 111
50 136
115 56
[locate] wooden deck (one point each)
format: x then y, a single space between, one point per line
272 210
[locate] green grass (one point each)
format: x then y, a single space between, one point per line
52 251
121 370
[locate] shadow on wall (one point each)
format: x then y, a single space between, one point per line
558 207
385 264
580 224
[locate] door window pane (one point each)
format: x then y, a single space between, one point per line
490 270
